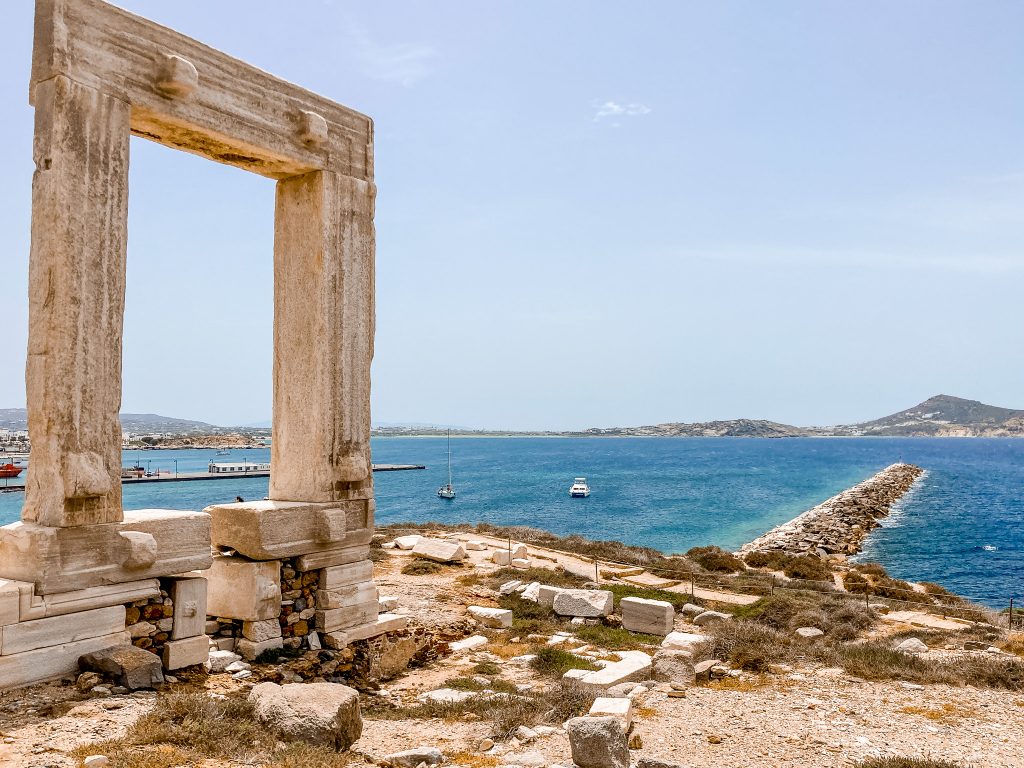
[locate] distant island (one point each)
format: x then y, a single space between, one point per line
939 416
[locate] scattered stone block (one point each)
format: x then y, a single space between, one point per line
412 758
386 622
532 592
468 644
587 603
682 641
546 595
446 696
259 631
520 552
219 661
244 589
439 551
631 666
709 617
598 742
314 713
520 563
387 604
653 617
809 632
705 667
621 708
127 665
345 575
912 645
407 542
654 762
509 587
673 666
475 546
501 557
689 609
491 617
96 761
189 597
186 652
250 650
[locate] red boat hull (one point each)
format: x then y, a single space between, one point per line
9 470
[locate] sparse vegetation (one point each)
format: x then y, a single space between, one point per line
554 705
469 684
627 590
716 559
554 662
808 567
615 638
529 617
420 567
745 645
906 762
186 728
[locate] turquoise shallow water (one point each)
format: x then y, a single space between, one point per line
673 494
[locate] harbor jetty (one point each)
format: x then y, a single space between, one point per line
840 524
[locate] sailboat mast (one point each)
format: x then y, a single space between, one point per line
449 458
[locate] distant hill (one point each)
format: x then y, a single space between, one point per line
943 416
136 423
731 428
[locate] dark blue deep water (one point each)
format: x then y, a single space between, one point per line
673 494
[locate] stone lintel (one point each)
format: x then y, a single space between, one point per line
147 544
269 530
189 96
58 630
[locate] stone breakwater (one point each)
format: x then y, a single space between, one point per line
840 525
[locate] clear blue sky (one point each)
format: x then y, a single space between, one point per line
596 213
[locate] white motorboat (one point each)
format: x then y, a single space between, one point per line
579 487
448 491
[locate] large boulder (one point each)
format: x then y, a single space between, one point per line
316 713
588 603
710 617
127 665
912 645
598 742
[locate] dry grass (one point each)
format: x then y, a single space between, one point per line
187 728
946 713
554 662
472 759
747 684
552 706
745 645
615 638
716 559
906 762
419 567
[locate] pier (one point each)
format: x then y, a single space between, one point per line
183 477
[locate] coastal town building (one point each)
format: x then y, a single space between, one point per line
78 573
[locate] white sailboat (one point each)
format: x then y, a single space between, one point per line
448 491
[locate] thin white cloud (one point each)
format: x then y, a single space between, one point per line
403 63
612 109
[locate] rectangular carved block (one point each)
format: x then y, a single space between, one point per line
343 575
61 603
328 558
244 589
54 661
189 597
59 630
266 530
345 597
149 543
344 618
186 652
385 622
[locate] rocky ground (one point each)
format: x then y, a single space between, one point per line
796 714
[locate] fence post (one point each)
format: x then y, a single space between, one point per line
867 600
773 584
1011 614
597 572
509 551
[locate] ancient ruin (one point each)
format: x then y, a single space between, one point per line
79 573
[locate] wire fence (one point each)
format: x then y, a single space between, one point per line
763 584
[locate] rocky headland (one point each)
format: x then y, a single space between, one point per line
840 524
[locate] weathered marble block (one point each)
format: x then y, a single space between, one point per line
59 630
438 550
589 603
148 543
385 622
653 617
189 596
345 597
244 589
345 575
330 558
53 661
267 530
345 618
186 652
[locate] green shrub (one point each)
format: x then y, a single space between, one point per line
774 559
615 638
808 567
745 645
716 559
871 569
627 590
420 567
854 582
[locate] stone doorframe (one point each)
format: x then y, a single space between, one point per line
100 75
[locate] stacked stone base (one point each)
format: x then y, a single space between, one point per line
77 590
294 574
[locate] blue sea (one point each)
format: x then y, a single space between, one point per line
962 526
